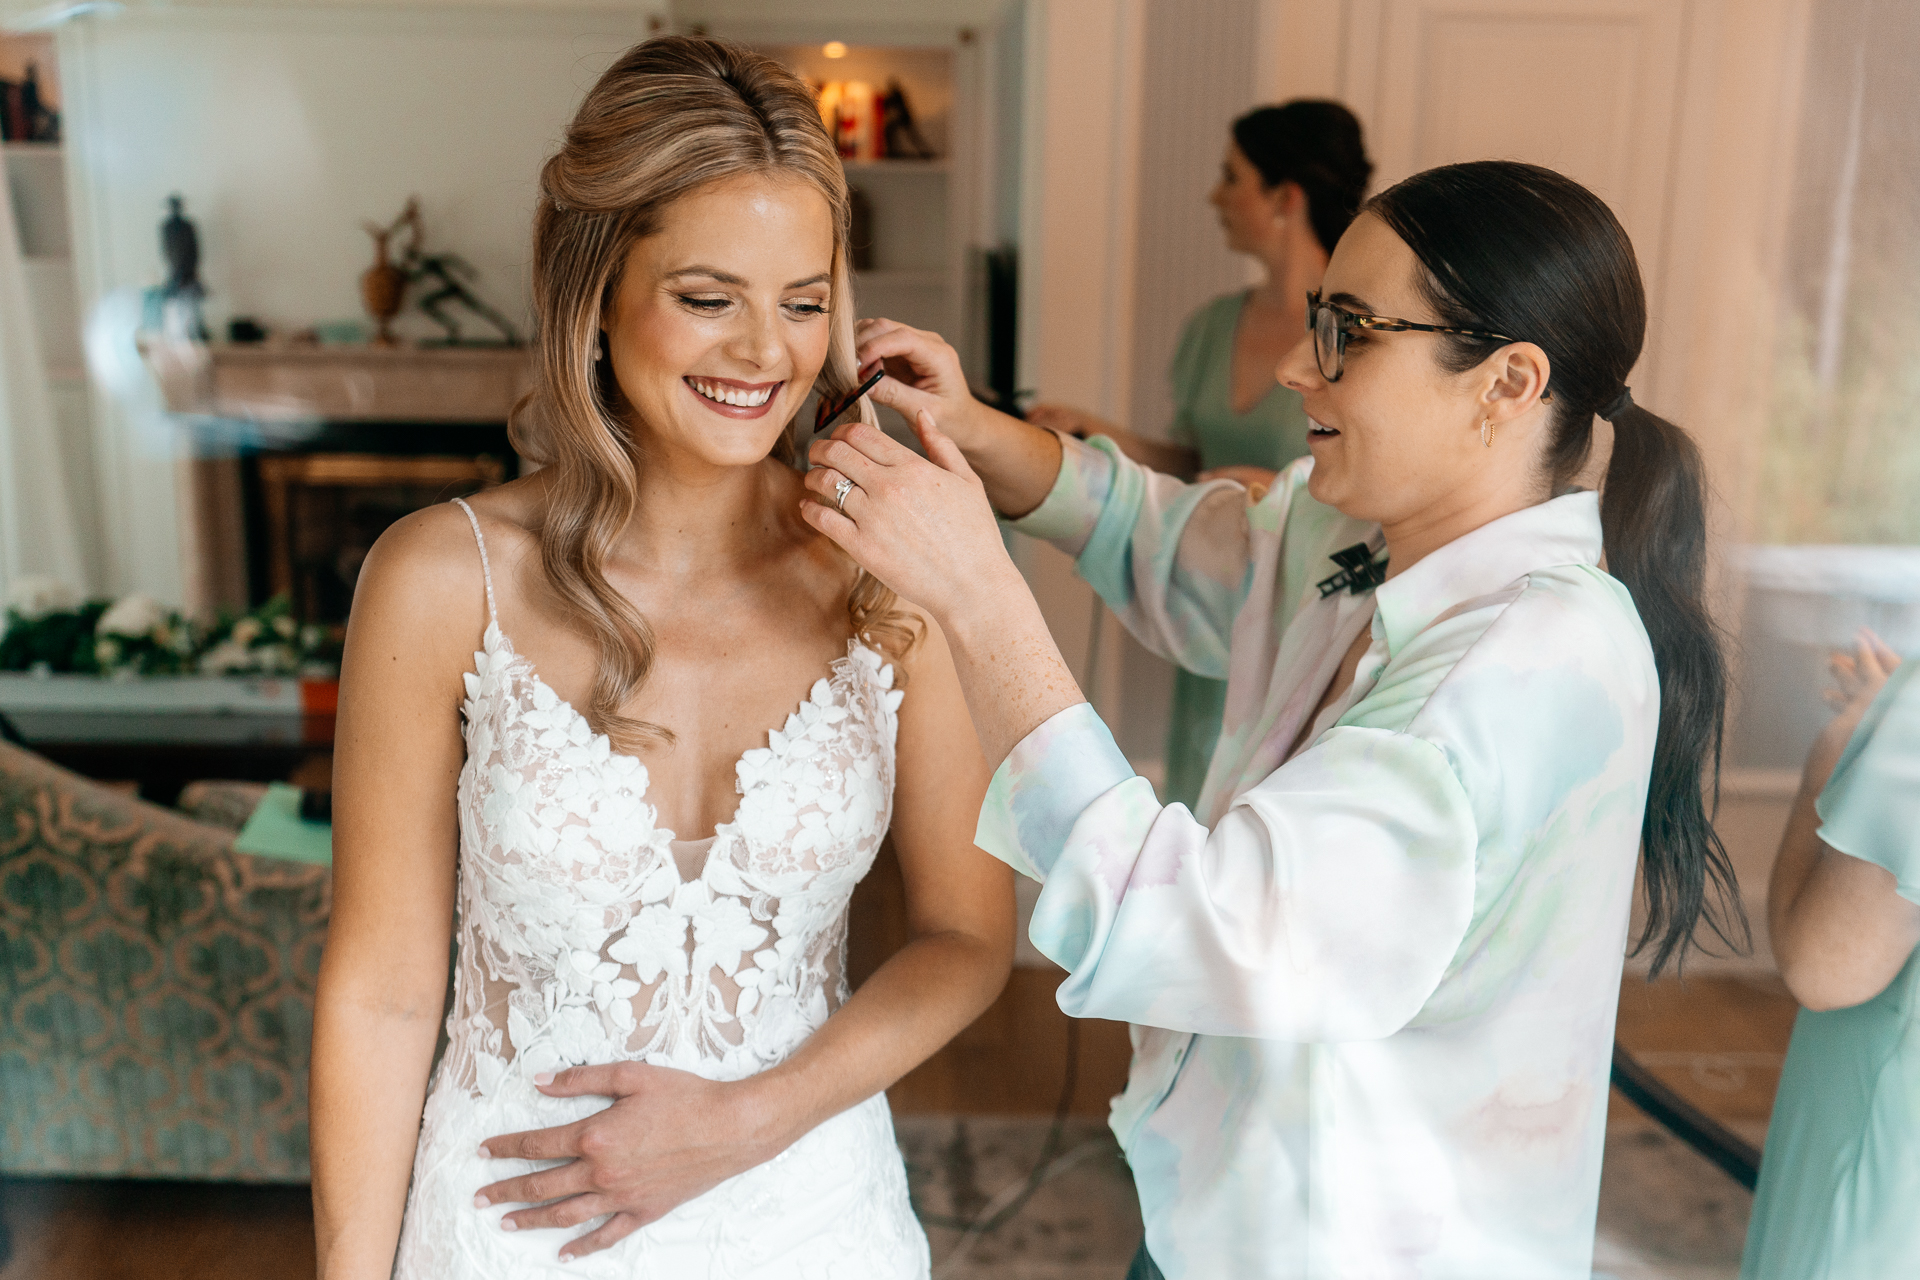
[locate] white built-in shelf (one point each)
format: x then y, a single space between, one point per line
864 167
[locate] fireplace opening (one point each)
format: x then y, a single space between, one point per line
312 514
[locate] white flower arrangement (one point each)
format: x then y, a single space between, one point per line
134 617
50 628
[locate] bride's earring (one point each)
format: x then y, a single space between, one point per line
1486 432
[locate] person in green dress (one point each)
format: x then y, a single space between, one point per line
1293 178
1839 1193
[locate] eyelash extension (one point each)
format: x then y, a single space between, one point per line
715 304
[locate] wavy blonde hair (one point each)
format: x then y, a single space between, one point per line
671 116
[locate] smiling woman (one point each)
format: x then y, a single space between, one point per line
1373 975
653 801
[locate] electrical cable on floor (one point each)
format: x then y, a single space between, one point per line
1011 1199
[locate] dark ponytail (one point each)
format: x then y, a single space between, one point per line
1317 146
1514 248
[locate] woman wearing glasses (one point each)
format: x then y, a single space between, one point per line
1293 178
1373 978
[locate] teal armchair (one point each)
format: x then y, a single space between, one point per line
156 987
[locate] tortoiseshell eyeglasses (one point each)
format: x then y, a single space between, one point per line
1331 325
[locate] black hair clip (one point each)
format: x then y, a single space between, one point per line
828 410
1359 571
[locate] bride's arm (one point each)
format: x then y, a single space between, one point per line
383 978
670 1135
960 914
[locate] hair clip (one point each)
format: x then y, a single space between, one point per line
830 409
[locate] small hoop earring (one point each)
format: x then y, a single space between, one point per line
1486 432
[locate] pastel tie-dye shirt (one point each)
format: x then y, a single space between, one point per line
1373 984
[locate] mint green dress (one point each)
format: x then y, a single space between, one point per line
1271 435
1839 1194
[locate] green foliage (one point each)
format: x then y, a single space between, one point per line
62 639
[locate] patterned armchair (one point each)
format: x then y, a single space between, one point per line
156 987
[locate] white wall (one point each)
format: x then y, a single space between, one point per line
284 128
1198 76
854 21
1079 213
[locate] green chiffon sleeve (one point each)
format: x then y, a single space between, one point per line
1870 808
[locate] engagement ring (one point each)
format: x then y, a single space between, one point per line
840 492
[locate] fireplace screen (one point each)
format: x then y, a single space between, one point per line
322 512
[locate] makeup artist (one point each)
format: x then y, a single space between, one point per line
1374 993
1292 179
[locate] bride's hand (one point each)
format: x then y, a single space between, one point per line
669 1136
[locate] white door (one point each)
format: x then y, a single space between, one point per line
1591 88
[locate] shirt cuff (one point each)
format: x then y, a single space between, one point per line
1043 786
1072 507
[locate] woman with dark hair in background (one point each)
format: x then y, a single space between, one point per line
1293 178
1840 1178
1374 999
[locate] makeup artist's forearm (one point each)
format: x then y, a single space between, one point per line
1016 461
1010 669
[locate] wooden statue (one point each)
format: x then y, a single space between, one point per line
384 286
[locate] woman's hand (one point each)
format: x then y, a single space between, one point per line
1017 463
924 527
1858 678
1256 480
921 525
923 373
669 1136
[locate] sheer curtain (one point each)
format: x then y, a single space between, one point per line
38 533
1837 528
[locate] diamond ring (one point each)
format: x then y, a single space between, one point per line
840 492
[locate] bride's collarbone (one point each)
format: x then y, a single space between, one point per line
719 687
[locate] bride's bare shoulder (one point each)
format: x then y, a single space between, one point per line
424 574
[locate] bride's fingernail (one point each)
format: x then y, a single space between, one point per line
485 1154
543 1077
508 1224
481 1202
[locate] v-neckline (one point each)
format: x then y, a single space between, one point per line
496 633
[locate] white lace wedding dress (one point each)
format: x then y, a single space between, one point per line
589 935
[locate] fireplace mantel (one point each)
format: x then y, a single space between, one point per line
356 383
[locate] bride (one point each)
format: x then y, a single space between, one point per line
653 1066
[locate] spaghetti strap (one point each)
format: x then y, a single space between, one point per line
486 570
